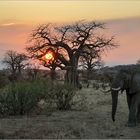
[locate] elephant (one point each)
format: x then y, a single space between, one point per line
128 81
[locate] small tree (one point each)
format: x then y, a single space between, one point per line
20 62
15 62
32 71
52 68
69 42
91 61
49 60
138 62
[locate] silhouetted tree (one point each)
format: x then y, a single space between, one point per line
32 71
52 66
52 63
138 61
91 61
69 42
15 62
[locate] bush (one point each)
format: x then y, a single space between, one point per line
21 97
3 79
63 95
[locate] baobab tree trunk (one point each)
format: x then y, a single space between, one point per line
53 74
72 76
89 74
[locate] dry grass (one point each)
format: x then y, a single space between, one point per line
92 119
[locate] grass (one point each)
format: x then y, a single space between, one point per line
92 120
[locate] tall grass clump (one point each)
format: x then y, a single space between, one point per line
21 97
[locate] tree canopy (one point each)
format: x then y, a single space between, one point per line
68 43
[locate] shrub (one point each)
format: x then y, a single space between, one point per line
3 80
96 86
63 95
21 97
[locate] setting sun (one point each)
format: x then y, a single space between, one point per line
49 56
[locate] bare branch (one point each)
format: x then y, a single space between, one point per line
71 42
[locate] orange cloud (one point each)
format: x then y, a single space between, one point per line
8 24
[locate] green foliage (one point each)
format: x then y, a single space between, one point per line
2 135
3 80
21 97
63 95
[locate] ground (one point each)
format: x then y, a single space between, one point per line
92 120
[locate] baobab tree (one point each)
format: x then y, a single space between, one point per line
15 62
68 43
91 61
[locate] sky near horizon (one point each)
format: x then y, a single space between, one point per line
19 18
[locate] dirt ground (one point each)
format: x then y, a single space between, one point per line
91 120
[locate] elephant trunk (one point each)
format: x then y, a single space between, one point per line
114 103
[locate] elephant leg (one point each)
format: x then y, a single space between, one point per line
129 100
133 112
138 114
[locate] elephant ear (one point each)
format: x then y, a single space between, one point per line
134 84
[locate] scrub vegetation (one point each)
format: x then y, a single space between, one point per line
88 112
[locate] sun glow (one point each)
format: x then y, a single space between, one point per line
49 56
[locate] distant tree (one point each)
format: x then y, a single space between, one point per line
20 62
32 70
51 63
15 62
69 43
91 61
138 61
52 66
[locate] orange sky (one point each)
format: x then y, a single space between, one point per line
19 18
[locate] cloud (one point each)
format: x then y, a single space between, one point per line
8 24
